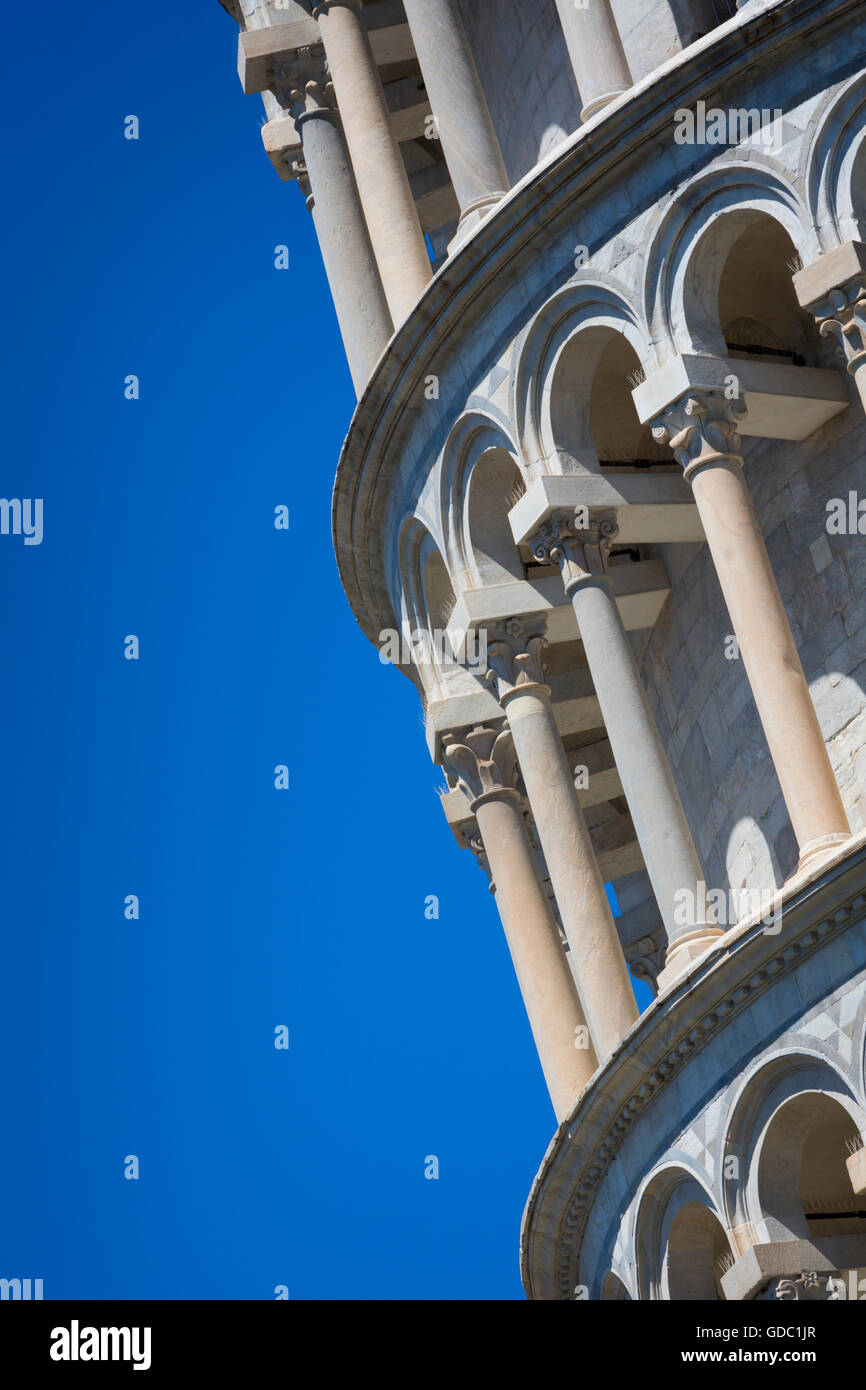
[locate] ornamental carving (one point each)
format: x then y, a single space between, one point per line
481 762
702 428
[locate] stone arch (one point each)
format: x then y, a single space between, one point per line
835 166
695 238
479 480
761 1186
801 1173
426 600
548 364
680 1239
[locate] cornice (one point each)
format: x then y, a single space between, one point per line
611 138
674 1030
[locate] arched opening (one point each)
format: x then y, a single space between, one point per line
494 487
758 310
804 1188
681 1248
621 441
427 602
593 420
738 292
696 1255
438 592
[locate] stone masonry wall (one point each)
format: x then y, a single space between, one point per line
526 74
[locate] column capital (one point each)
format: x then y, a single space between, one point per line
514 658
833 290
483 763
843 315
577 543
702 427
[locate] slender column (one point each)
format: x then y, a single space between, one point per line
484 764
596 52
392 218
599 965
833 290
580 548
359 299
702 431
469 141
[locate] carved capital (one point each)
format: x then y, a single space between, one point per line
482 763
514 657
810 1287
577 543
702 428
309 100
842 315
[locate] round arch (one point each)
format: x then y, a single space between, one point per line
680 1240
589 307
426 600
694 239
762 1095
480 479
834 173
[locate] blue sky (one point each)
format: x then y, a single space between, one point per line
155 777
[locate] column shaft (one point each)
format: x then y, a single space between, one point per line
770 656
599 965
647 781
542 970
359 299
596 52
469 140
389 208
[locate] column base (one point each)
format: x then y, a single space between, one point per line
472 217
686 949
815 851
597 102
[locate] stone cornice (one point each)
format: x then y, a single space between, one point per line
676 1027
489 258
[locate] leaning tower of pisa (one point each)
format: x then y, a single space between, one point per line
600 272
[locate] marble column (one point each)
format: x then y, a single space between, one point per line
389 208
702 431
469 141
833 290
579 546
599 966
483 762
597 55
359 300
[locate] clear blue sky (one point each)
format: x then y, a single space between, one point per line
155 777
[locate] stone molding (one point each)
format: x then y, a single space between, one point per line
696 1009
